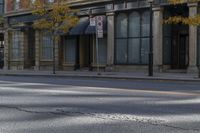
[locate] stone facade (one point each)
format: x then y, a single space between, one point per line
84 45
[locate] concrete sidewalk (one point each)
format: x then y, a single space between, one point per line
112 75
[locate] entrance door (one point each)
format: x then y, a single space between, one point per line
85 52
180 52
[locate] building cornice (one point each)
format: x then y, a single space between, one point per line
73 3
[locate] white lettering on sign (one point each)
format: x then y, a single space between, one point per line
92 22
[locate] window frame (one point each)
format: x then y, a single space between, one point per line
128 13
14 35
42 47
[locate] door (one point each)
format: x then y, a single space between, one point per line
180 52
85 52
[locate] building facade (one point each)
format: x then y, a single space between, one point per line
124 47
1 34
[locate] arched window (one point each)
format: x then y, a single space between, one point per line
134 24
145 23
122 25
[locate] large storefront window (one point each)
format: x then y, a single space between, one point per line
132 38
16 45
47 46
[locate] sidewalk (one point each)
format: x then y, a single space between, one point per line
110 75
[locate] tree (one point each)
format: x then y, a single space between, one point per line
53 17
191 20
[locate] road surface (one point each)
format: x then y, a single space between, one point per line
64 105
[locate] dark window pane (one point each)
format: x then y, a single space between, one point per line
122 25
15 44
103 51
167 50
134 24
145 51
47 46
145 23
70 50
121 51
134 51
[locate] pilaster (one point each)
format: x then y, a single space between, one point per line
192 68
110 40
37 50
158 38
23 48
6 50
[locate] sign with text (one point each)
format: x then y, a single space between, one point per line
99 26
92 21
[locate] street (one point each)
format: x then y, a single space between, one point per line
78 105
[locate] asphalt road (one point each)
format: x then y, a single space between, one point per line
63 105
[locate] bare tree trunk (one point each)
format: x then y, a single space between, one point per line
54 57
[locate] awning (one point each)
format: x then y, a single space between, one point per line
92 29
80 28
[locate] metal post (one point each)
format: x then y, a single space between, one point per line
97 52
151 43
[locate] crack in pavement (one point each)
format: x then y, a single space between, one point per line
104 116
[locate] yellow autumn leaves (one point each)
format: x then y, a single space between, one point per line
191 20
184 20
54 17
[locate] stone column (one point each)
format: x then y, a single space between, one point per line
6 50
23 50
37 50
158 38
192 40
110 40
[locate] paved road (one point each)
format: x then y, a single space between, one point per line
57 105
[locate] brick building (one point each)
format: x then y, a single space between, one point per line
125 45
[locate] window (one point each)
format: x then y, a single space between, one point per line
70 50
33 1
121 42
1 7
17 4
132 38
50 1
47 47
15 45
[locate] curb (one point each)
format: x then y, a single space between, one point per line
108 77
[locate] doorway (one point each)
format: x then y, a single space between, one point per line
180 50
85 52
